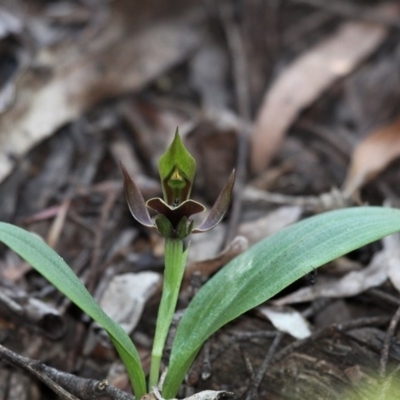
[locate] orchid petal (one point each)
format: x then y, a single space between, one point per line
219 208
135 201
175 214
190 207
158 205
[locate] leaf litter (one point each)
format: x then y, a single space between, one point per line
372 155
103 86
293 90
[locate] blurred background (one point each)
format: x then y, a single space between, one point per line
300 96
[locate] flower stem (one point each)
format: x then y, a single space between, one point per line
175 261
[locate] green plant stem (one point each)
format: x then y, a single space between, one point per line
175 261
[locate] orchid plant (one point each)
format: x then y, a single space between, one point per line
172 220
247 281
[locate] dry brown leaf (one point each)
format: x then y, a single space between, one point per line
372 155
71 78
306 79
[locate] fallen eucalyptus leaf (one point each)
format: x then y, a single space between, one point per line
372 155
306 79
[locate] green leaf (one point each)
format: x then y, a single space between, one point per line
268 267
48 263
177 169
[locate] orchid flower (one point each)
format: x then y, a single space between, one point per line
177 169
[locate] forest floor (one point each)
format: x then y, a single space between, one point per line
302 97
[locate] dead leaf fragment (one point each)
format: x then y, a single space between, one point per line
372 155
287 320
305 80
9 23
209 266
126 295
204 395
273 222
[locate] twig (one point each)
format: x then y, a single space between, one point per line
66 385
326 201
337 140
32 367
247 363
206 367
317 334
241 337
57 226
240 72
347 10
386 384
359 322
387 297
81 222
316 306
386 344
11 304
252 393
94 269
307 24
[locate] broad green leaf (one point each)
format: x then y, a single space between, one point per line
268 267
48 263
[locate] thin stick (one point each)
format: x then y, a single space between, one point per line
32 367
317 334
252 394
94 269
240 72
65 385
345 9
386 344
241 337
